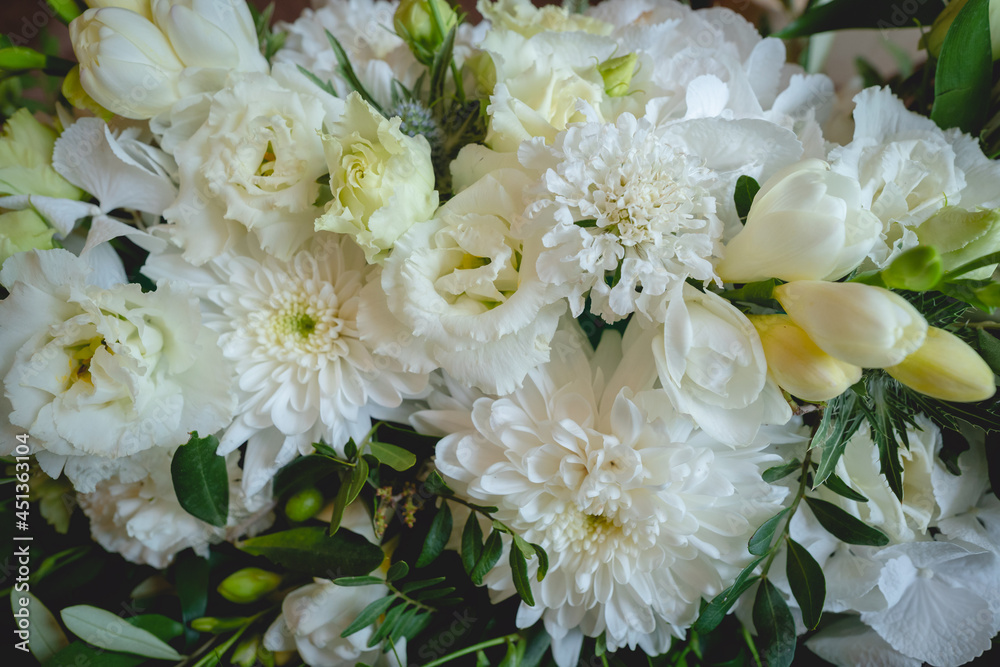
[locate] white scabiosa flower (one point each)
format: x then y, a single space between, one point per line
641 515
618 202
143 521
290 328
104 373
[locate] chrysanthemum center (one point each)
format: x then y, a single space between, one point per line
301 320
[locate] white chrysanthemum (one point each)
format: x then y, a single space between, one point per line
640 515
622 203
143 521
291 330
103 373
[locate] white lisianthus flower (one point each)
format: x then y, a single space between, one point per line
616 201
463 292
640 515
712 366
806 223
139 65
104 372
252 165
861 324
909 168
382 181
143 521
291 330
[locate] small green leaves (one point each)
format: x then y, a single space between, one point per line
369 615
775 626
746 189
435 484
845 527
351 483
720 605
312 551
200 480
110 632
395 457
437 537
807 582
772 475
347 71
760 541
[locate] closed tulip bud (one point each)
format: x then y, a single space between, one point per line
962 236
248 585
918 269
864 325
945 367
806 223
414 21
797 364
304 504
617 74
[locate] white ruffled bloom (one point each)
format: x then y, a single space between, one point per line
909 168
641 516
711 363
104 372
463 292
617 200
143 521
252 166
291 330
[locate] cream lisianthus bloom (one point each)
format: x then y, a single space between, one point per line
252 167
641 515
382 181
462 291
104 372
138 59
712 366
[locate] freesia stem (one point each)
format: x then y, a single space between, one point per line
472 649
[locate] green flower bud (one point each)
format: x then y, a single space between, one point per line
248 585
918 269
617 74
304 504
26 160
23 230
250 653
217 625
962 236
414 21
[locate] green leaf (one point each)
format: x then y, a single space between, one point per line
519 570
543 560
311 550
192 588
845 527
369 615
110 632
758 293
325 86
841 420
436 485
840 487
347 71
989 349
66 10
200 480
772 475
351 483
716 610
491 554
417 585
805 577
439 68
842 14
358 581
47 637
162 626
79 653
304 471
760 541
964 73
472 542
395 457
398 570
746 189
387 625
433 594
437 536
775 626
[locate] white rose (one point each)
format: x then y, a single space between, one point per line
139 64
468 292
863 325
252 165
104 372
806 223
711 364
382 181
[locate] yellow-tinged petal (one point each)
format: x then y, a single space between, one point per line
945 367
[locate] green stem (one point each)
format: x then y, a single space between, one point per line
788 520
472 649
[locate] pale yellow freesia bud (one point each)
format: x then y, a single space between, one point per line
248 585
961 236
866 326
806 223
797 364
138 6
945 367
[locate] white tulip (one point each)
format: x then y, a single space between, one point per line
806 223
863 325
138 59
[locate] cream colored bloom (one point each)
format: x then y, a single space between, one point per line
863 325
382 180
945 367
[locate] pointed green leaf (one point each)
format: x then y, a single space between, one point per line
200 480
347 71
519 571
395 457
358 581
437 536
398 570
760 541
772 475
387 624
746 189
845 527
543 560
808 584
311 550
110 632
163 627
472 542
436 485
840 487
775 626
417 585
369 615
964 73
491 554
716 610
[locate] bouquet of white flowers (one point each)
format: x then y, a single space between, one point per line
570 337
